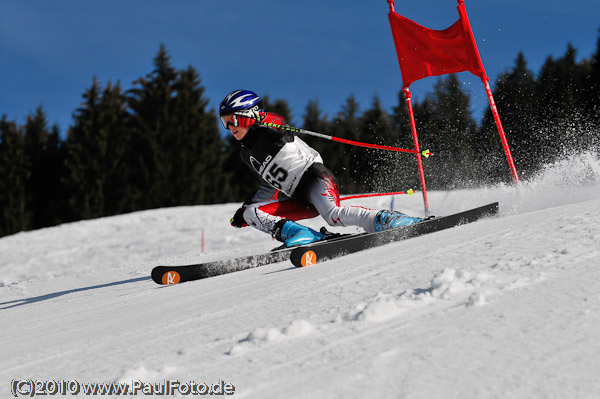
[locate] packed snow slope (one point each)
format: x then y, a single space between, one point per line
507 307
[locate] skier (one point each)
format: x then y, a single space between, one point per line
295 182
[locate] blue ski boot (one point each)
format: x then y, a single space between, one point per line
389 220
293 234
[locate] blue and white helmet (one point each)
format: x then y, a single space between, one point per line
241 102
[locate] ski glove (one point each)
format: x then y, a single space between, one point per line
238 219
271 118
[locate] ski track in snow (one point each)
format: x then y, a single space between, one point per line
507 307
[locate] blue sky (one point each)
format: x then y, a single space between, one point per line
295 50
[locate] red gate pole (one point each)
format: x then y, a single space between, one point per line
509 158
413 128
462 12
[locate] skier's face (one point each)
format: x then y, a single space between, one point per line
238 132
231 123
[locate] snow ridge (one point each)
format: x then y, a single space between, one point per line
264 336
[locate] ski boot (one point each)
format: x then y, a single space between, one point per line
385 220
293 234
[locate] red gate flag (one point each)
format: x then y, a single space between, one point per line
426 52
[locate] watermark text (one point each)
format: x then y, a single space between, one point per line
30 388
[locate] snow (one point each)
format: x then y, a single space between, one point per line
508 307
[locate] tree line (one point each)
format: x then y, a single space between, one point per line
159 144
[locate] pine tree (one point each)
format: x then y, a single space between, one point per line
38 185
96 172
377 167
55 207
197 157
448 131
555 104
592 96
278 106
315 121
593 92
153 134
344 165
514 94
179 159
15 216
562 113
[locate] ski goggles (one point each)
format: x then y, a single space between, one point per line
230 119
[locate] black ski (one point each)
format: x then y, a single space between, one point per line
321 251
168 275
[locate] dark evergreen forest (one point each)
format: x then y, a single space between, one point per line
158 144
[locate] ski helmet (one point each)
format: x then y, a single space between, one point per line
242 102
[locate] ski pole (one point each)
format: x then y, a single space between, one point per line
293 129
